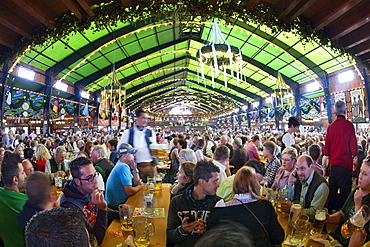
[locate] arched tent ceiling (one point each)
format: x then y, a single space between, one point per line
155 58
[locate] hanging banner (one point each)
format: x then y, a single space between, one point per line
357 106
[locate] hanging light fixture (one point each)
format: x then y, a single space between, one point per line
114 91
218 55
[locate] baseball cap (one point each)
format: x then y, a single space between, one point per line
125 148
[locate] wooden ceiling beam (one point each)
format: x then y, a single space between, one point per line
86 7
35 11
300 9
16 23
361 49
289 8
352 20
356 37
365 57
330 12
128 3
73 7
7 36
252 4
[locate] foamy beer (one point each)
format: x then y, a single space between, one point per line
319 221
356 222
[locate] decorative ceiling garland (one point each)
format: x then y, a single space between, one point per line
107 14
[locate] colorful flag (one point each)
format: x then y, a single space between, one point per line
86 110
9 98
56 106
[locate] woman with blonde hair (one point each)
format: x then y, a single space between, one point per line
42 155
258 214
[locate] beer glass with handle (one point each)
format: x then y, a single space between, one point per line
356 222
319 220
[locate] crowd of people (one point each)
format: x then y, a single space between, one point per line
216 179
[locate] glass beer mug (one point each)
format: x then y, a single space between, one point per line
150 184
125 216
143 231
318 223
356 222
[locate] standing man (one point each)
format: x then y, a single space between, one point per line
124 180
11 200
288 138
240 155
310 188
188 212
340 147
81 194
101 164
140 138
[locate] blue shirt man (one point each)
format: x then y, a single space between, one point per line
124 180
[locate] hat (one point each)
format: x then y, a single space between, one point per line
125 148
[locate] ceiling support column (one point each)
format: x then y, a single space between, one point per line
367 89
97 105
119 117
325 83
76 115
4 79
49 79
110 116
260 112
297 98
248 117
275 103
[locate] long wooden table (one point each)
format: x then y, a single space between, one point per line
115 235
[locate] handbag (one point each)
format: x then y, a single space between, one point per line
250 211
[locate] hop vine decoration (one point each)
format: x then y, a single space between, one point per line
108 14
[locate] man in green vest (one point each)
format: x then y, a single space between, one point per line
307 186
56 165
101 163
11 200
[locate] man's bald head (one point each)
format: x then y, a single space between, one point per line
27 167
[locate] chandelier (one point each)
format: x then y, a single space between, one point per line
113 92
218 56
282 91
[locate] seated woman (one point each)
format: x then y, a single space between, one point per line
184 177
358 197
289 159
258 215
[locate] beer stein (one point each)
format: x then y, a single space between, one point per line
319 221
295 210
143 231
271 196
125 216
150 184
356 222
282 197
158 182
58 184
300 229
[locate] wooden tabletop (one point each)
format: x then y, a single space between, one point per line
115 235
283 220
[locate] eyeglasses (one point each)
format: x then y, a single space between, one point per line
90 178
